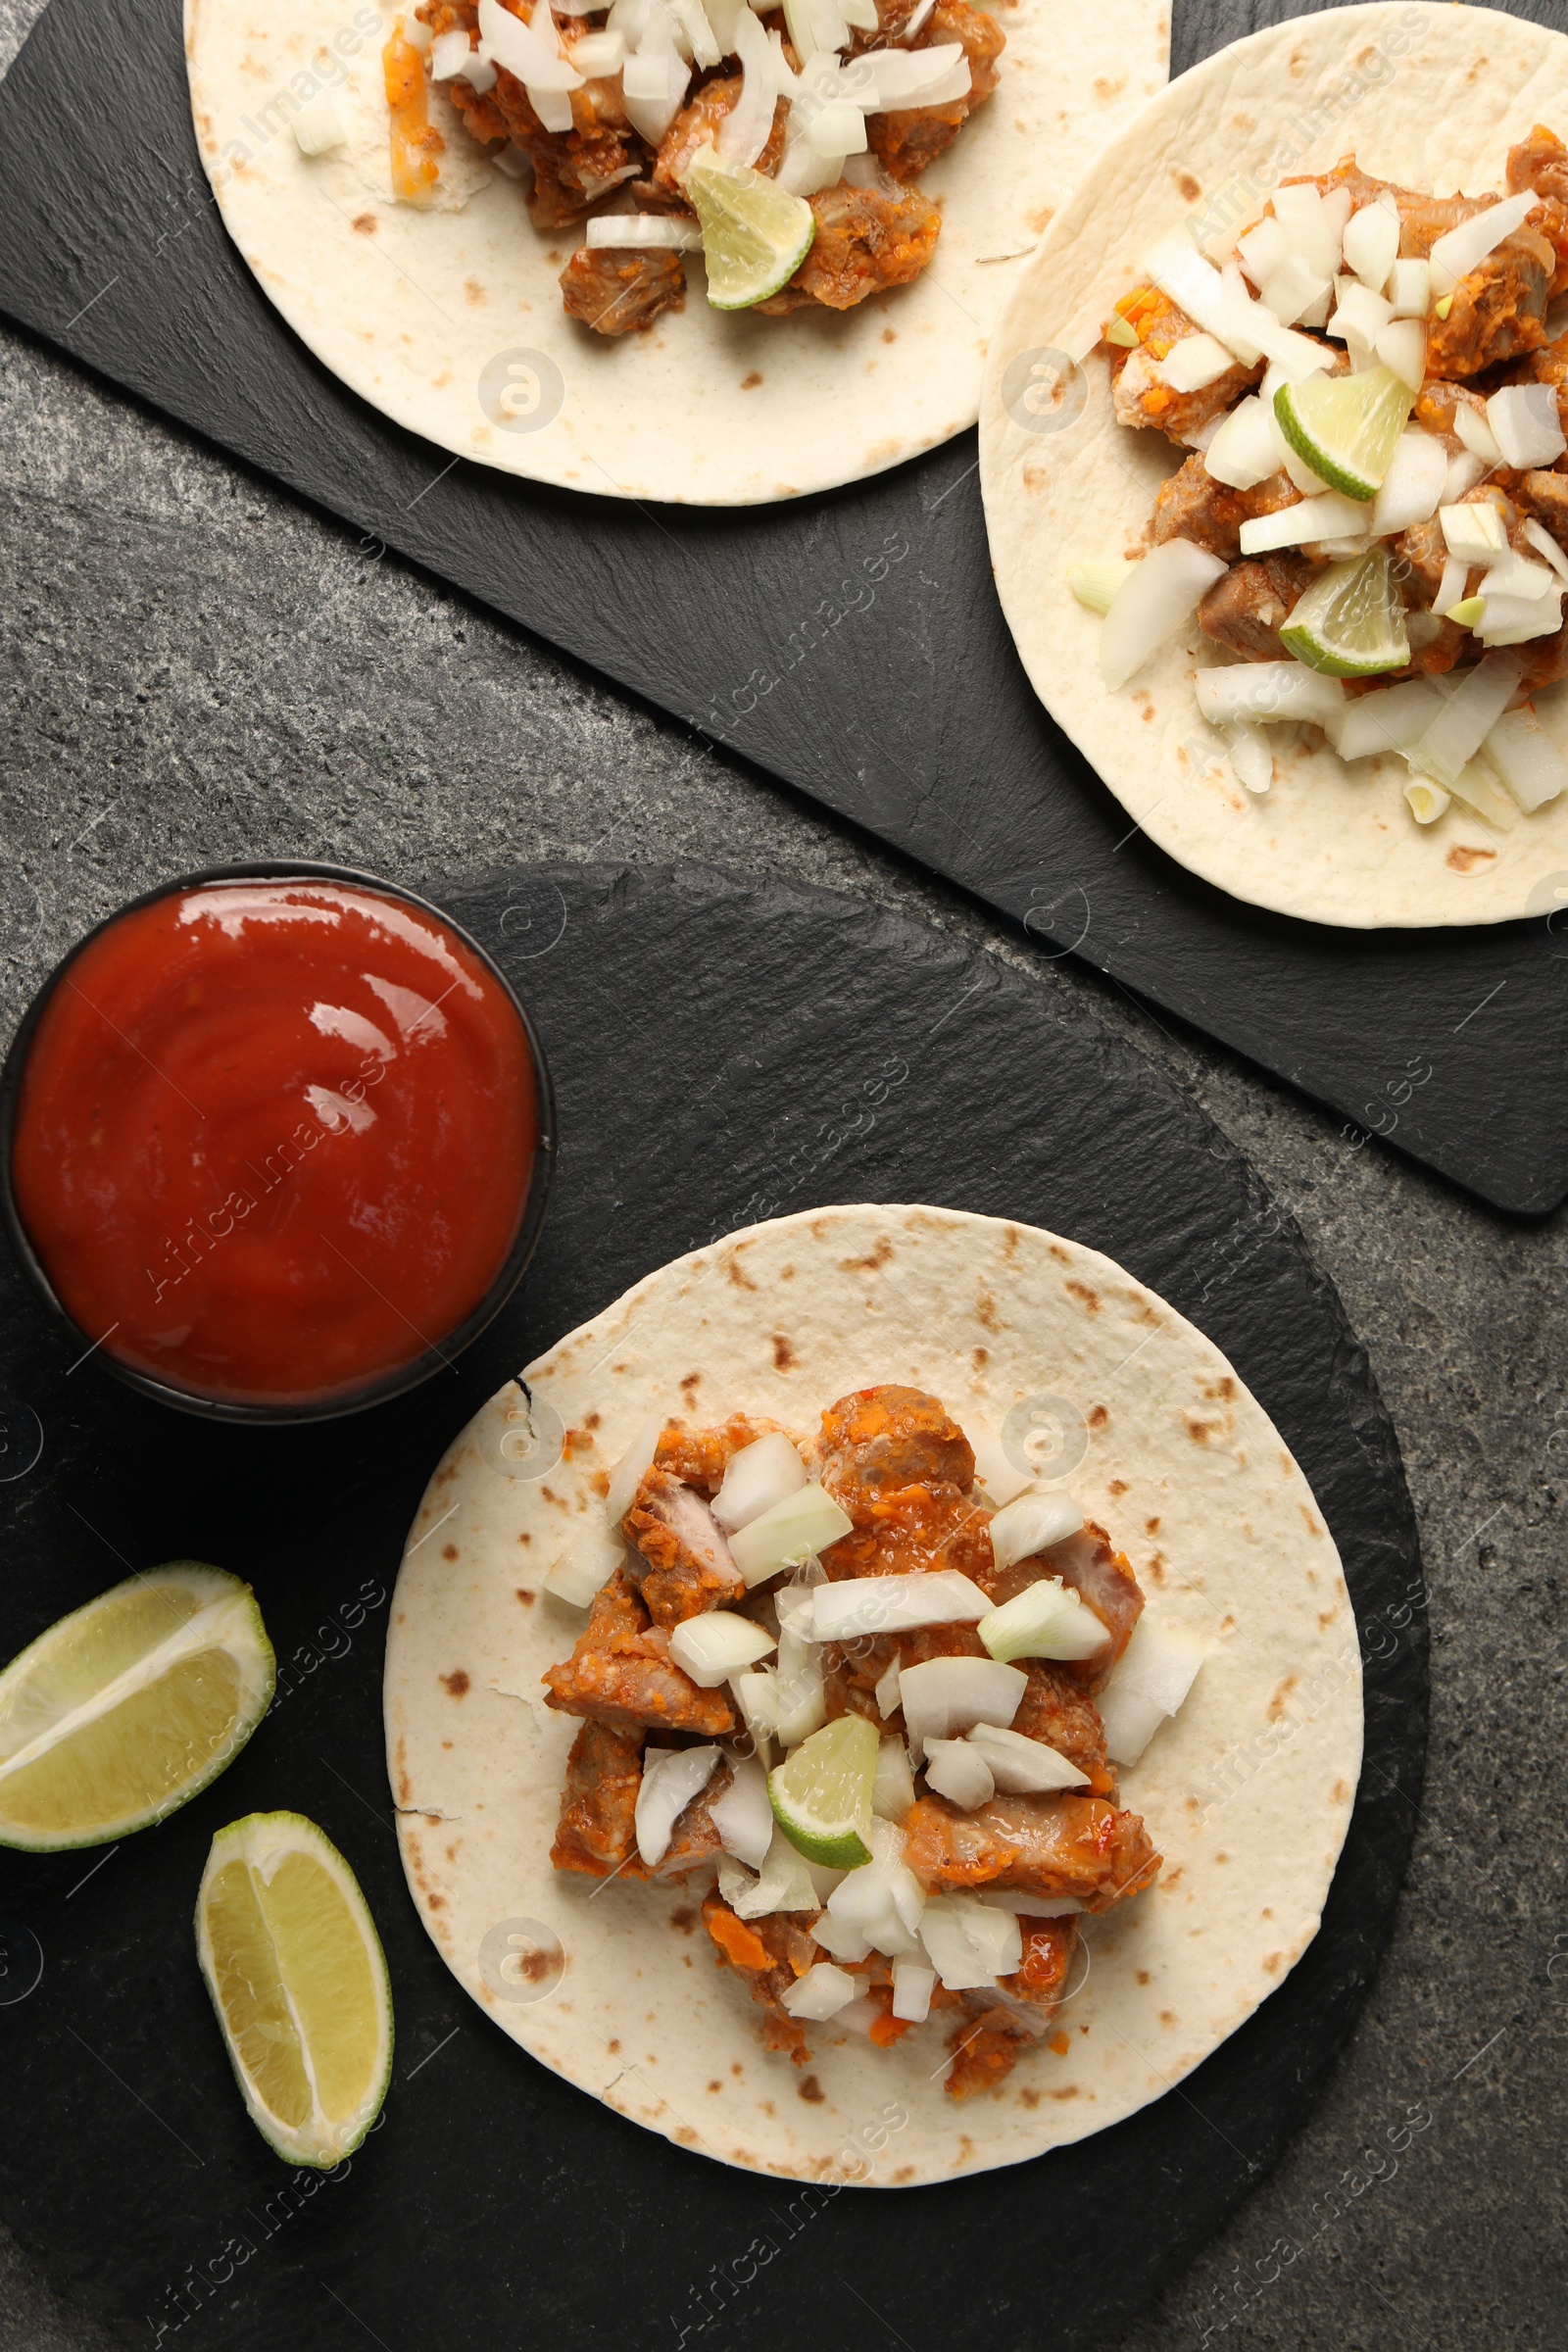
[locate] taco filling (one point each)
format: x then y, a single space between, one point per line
783 143
1371 514
877 1713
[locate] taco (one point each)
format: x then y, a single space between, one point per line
664 249
887 1663
1282 539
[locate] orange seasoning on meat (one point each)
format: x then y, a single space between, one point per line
415 144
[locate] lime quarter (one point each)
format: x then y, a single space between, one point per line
821 1794
1345 426
755 233
129 1705
1350 621
298 1979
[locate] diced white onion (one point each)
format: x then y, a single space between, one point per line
794 1601
1372 243
960 1773
1158 596
717 1645
589 1560
843 1942
1526 424
755 1478
1466 720
1155 1670
1527 760
1401 345
1293 291
509 160
1242 452
798 1677
1310 230
692 19
883 1899
1022 1766
1193 363
1517 576
417 36
1409 289
1517 619
672 1778
892 1786
820 1993
1196 286
1539 537
1030 1525
746 127
862 16
535 57
1045 1620
896 1604
785 1883
1327 516
1466 247
1464 472
1262 251
1262 690
1450 587
1030 1906
971 1943
757 1696
1296 357
887 1690
652 86
317 127
658 233
1413 488
1001 1477
448 55
837 131
1392 719
789 1533
944 1696
1360 316
632 1468
481 75
1251 760
1427 802
1475 532
599 55
890 81
1477 786
913 1987
743 1815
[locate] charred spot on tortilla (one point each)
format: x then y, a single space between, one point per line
457 1682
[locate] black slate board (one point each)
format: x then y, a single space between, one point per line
721 1052
850 644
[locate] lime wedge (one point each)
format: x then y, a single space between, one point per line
822 1795
1345 426
754 234
298 1979
129 1705
1351 623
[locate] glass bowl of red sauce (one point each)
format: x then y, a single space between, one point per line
276 1141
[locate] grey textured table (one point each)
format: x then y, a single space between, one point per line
194 669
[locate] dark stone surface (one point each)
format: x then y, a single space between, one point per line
196 668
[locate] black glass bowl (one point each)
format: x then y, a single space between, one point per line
437 1357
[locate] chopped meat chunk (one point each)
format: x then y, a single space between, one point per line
598 1829
1499 308
769 1955
1247 608
700 1457
1544 497
1046 1846
1000 2022
621 1673
1548 366
688 1568
866 242
1193 505
1540 162
904 143
698 125
1420 555
1140 394
616 289
1545 660
1056 1709
879 1440
1099 1574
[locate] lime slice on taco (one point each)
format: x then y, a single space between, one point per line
1351 623
298 1979
1345 426
754 234
822 1795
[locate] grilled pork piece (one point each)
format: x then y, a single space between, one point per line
904 143
769 1954
616 290
621 1673
688 1568
1000 2023
1057 1710
1098 1574
1246 610
1047 1845
867 241
699 124
1193 505
1140 394
598 1829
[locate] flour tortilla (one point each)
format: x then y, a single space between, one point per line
411 309
1247 1792
1429 96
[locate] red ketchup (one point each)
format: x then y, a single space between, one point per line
273 1139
